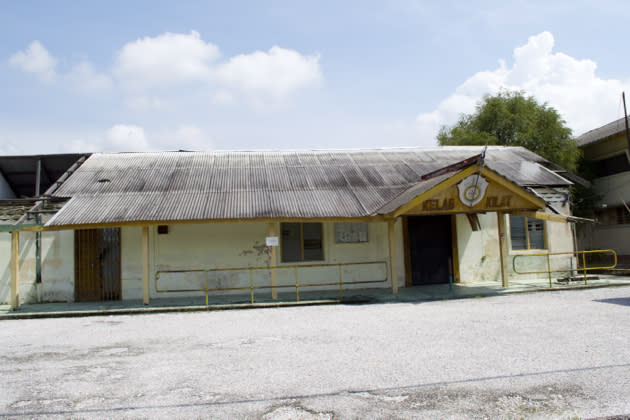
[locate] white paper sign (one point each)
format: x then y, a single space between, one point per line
272 241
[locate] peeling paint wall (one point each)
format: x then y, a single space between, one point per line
57 267
479 257
479 254
225 245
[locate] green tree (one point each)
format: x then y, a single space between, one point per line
512 119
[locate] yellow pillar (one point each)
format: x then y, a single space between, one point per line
272 262
15 255
392 256
503 252
145 265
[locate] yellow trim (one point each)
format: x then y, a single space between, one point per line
145 266
391 234
542 216
15 270
444 185
272 260
140 223
503 250
448 183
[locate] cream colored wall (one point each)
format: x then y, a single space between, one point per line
5 267
57 253
559 238
242 244
479 256
478 251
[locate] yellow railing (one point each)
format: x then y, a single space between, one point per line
340 282
584 268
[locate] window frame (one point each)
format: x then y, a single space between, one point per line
527 234
301 239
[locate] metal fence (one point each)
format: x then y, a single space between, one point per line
583 259
297 270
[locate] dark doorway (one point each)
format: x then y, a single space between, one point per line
97 265
430 249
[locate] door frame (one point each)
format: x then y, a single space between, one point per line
407 252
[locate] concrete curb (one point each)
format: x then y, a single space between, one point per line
350 301
165 309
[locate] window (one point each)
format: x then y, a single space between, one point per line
527 233
623 216
348 233
613 216
301 242
614 165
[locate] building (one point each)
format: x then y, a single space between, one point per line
606 152
135 225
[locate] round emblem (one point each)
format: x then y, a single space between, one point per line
472 189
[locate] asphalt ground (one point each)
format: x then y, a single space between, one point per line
559 354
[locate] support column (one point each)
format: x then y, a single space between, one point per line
15 255
503 252
393 269
145 265
272 263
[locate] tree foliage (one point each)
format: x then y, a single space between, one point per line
512 119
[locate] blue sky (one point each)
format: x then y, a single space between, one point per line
157 75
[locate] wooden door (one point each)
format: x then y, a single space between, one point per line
97 265
430 249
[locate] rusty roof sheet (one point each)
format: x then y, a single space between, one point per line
171 186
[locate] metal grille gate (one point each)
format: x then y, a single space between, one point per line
97 264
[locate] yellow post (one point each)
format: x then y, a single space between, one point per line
584 265
145 265
340 282
392 256
272 262
251 285
15 255
297 287
503 248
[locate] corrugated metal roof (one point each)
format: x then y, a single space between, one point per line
169 186
602 133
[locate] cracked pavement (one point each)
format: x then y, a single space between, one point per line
541 355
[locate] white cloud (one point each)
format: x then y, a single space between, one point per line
35 59
80 145
167 58
274 73
84 78
173 59
127 138
190 137
154 70
568 84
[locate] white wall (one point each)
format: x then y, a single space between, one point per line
57 251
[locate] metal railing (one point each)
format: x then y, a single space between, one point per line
577 254
252 287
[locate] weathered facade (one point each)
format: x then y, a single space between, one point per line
147 225
606 150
